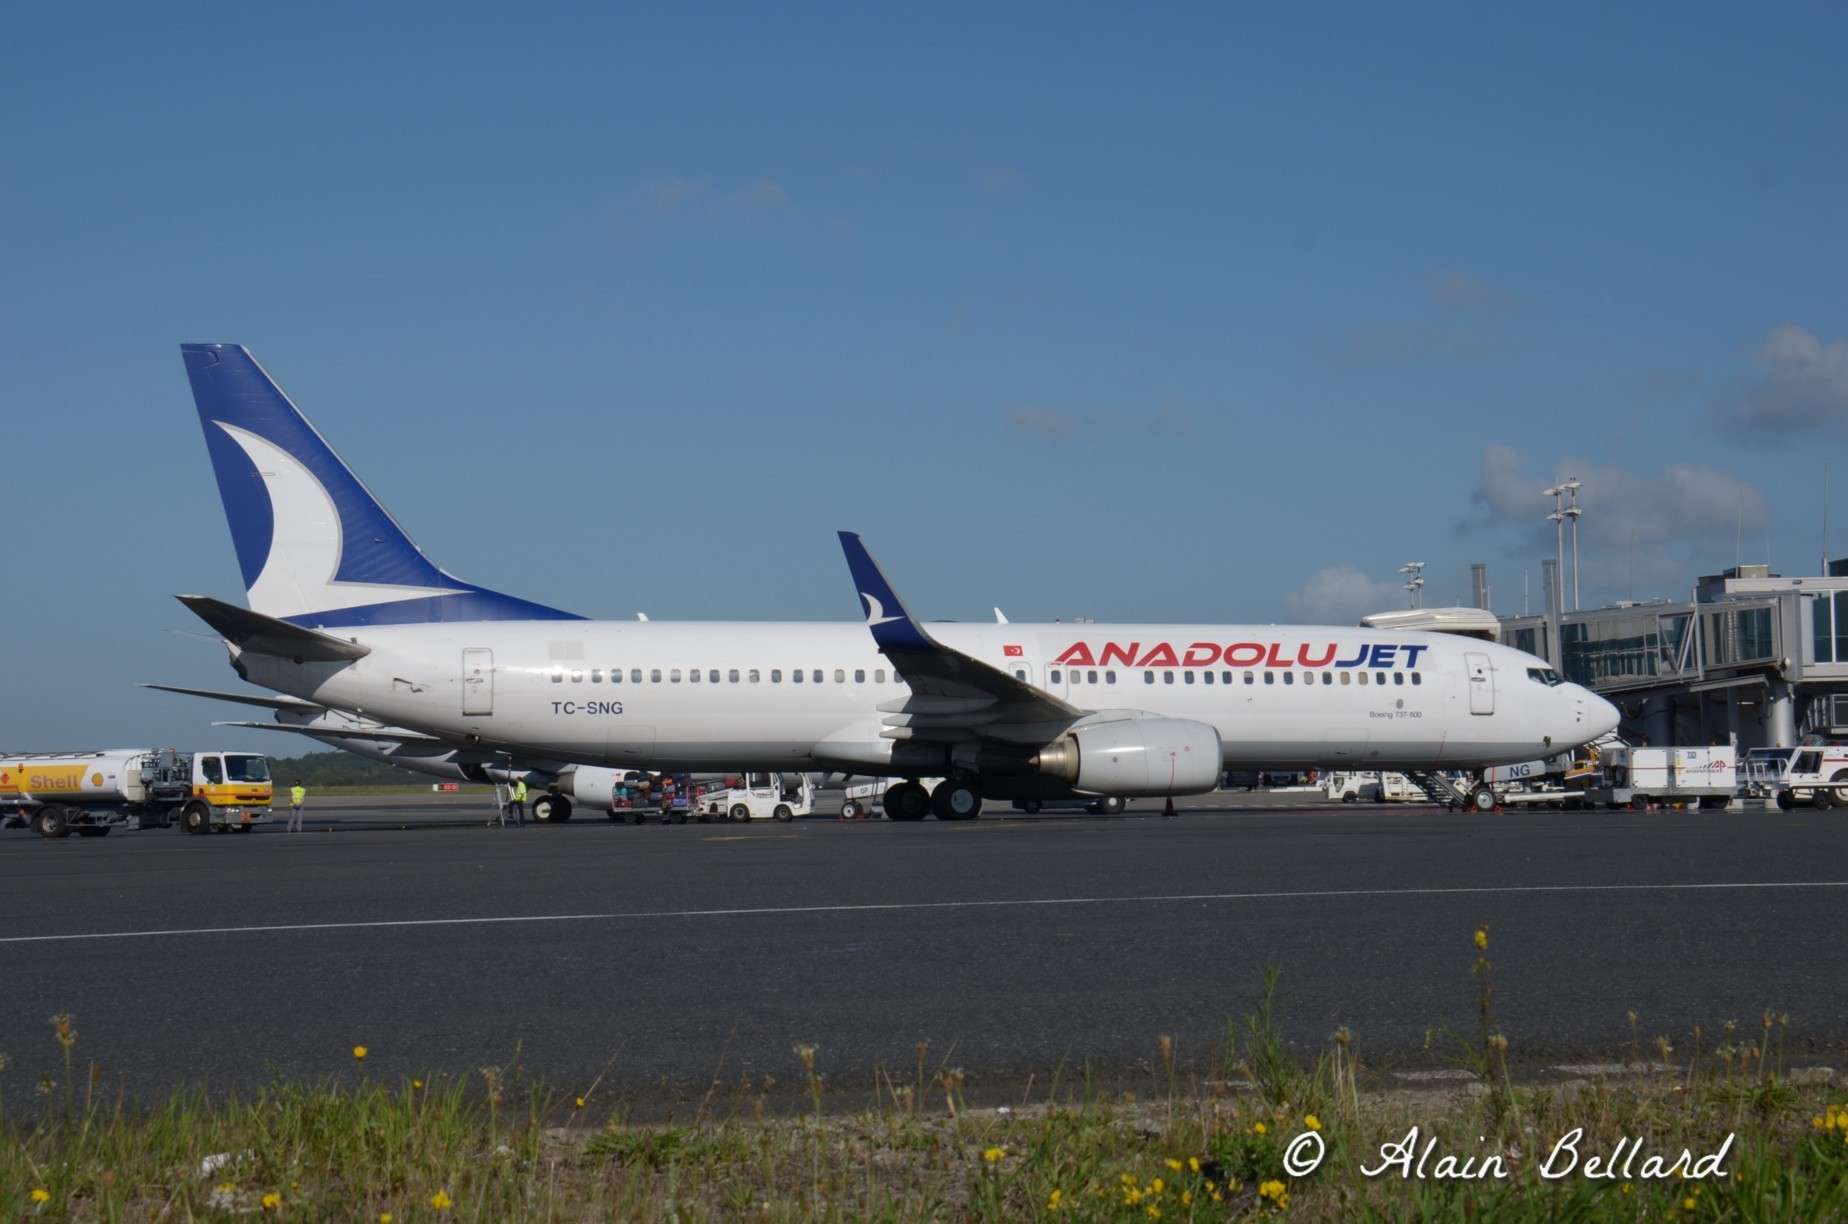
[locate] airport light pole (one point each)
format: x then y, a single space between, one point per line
1573 511
1558 519
1414 581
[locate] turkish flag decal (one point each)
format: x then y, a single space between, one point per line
1012 652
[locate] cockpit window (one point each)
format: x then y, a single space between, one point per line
1544 675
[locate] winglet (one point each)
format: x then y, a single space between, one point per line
892 626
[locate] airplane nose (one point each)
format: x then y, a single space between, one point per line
1601 717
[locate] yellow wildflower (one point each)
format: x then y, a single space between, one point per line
1482 939
1312 1122
1627 1188
441 1200
359 1053
1157 1186
1193 1163
1687 1204
580 1102
417 1085
272 1201
40 1195
1152 1211
384 1217
1816 1123
1053 1199
1187 1198
1258 1128
993 1154
1174 1164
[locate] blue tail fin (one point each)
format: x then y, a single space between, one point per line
315 546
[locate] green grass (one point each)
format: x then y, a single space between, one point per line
364 1149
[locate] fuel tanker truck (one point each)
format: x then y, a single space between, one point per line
89 793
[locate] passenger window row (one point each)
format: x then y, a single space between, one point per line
713 675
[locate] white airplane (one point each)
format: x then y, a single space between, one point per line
346 612
565 783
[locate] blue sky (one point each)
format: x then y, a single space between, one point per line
1205 314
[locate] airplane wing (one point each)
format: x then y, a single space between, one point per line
953 695
262 634
378 735
271 701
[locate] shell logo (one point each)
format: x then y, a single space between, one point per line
96 779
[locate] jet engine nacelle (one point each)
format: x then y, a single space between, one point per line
1136 756
592 784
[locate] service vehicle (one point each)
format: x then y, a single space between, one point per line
1761 772
761 796
1371 787
1816 774
1639 777
90 793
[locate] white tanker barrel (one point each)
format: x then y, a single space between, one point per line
109 776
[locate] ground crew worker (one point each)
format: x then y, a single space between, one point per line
297 796
517 794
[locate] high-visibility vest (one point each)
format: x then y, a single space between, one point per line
519 791
296 795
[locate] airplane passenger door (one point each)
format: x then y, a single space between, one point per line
1481 683
478 680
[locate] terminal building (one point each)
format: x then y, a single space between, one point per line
1754 656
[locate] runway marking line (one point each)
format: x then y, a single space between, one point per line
1320 894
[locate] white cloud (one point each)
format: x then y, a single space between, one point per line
1803 387
1341 595
1046 422
766 191
1647 527
1460 323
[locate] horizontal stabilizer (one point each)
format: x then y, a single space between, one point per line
379 735
262 634
267 701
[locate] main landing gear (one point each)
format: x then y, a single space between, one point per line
953 799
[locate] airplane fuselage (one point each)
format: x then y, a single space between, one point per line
721 695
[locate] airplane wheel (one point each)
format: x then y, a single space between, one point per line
52 822
907 801
1111 805
196 818
1482 799
1030 806
561 809
956 800
783 813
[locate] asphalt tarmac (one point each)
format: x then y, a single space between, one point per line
1018 948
